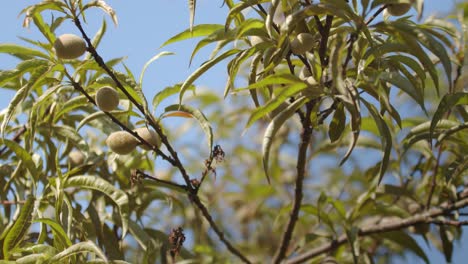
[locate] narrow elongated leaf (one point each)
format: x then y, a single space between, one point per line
407 242
21 52
166 92
139 88
196 31
17 99
271 105
154 58
103 6
57 229
337 124
447 102
199 116
385 135
273 127
43 27
95 183
422 131
24 156
16 234
79 248
202 69
273 79
192 7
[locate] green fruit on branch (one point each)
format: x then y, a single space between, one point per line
398 9
107 99
76 158
302 43
69 46
149 136
121 142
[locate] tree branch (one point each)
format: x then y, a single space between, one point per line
176 162
423 218
301 164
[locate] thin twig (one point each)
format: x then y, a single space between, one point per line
164 182
426 217
301 164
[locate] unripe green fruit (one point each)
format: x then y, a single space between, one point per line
121 142
69 46
302 43
76 158
149 136
107 99
397 9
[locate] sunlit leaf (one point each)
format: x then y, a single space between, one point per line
196 31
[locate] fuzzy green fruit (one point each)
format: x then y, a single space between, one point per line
69 46
107 99
149 136
302 43
121 142
398 9
76 158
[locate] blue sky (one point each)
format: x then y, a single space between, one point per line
143 26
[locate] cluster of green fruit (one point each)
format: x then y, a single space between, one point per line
69 46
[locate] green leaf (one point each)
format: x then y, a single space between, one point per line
273 127
385 135
199 116
406 242
21 52
24 156
236 10
166 92
196 31
202 69
447 102
337 124
59 234
43 27
17 232
17 99
422 131
154 58
95 183
271 105
79 248
104 6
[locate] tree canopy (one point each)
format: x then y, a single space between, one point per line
339 137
